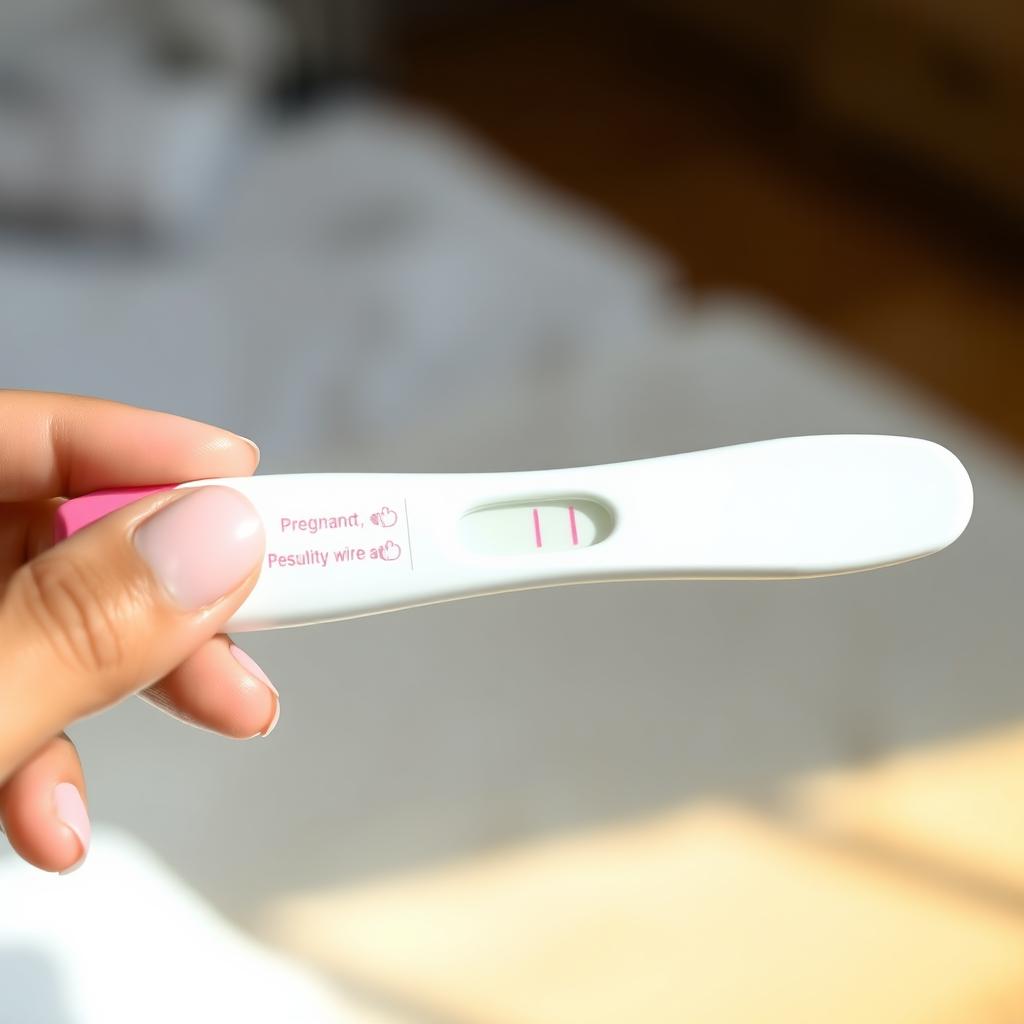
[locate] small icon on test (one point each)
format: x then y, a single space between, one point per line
390 551
385 517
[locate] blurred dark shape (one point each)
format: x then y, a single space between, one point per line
937 81
125 111
860 162
339 44
124 116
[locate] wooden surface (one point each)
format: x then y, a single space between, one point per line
958 809
742 190
713 914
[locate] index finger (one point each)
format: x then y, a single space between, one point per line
54 445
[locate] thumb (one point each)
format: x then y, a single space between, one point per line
117 606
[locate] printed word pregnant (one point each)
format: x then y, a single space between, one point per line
316 525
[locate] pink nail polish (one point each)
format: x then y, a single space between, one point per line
250 666
203 545
70 810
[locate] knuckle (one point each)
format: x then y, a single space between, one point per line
72 615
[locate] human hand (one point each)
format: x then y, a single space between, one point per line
131 604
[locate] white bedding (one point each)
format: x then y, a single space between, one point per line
127 942
364 270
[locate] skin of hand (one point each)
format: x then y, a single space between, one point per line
132 604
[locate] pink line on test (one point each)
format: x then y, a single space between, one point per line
536 527
572 525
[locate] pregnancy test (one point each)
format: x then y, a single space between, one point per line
341 545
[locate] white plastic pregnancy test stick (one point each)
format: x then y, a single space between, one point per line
340 545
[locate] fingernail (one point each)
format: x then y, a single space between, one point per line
250 666
202 546
70 809
252 444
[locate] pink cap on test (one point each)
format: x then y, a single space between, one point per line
77 513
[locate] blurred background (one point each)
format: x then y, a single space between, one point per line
506 235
